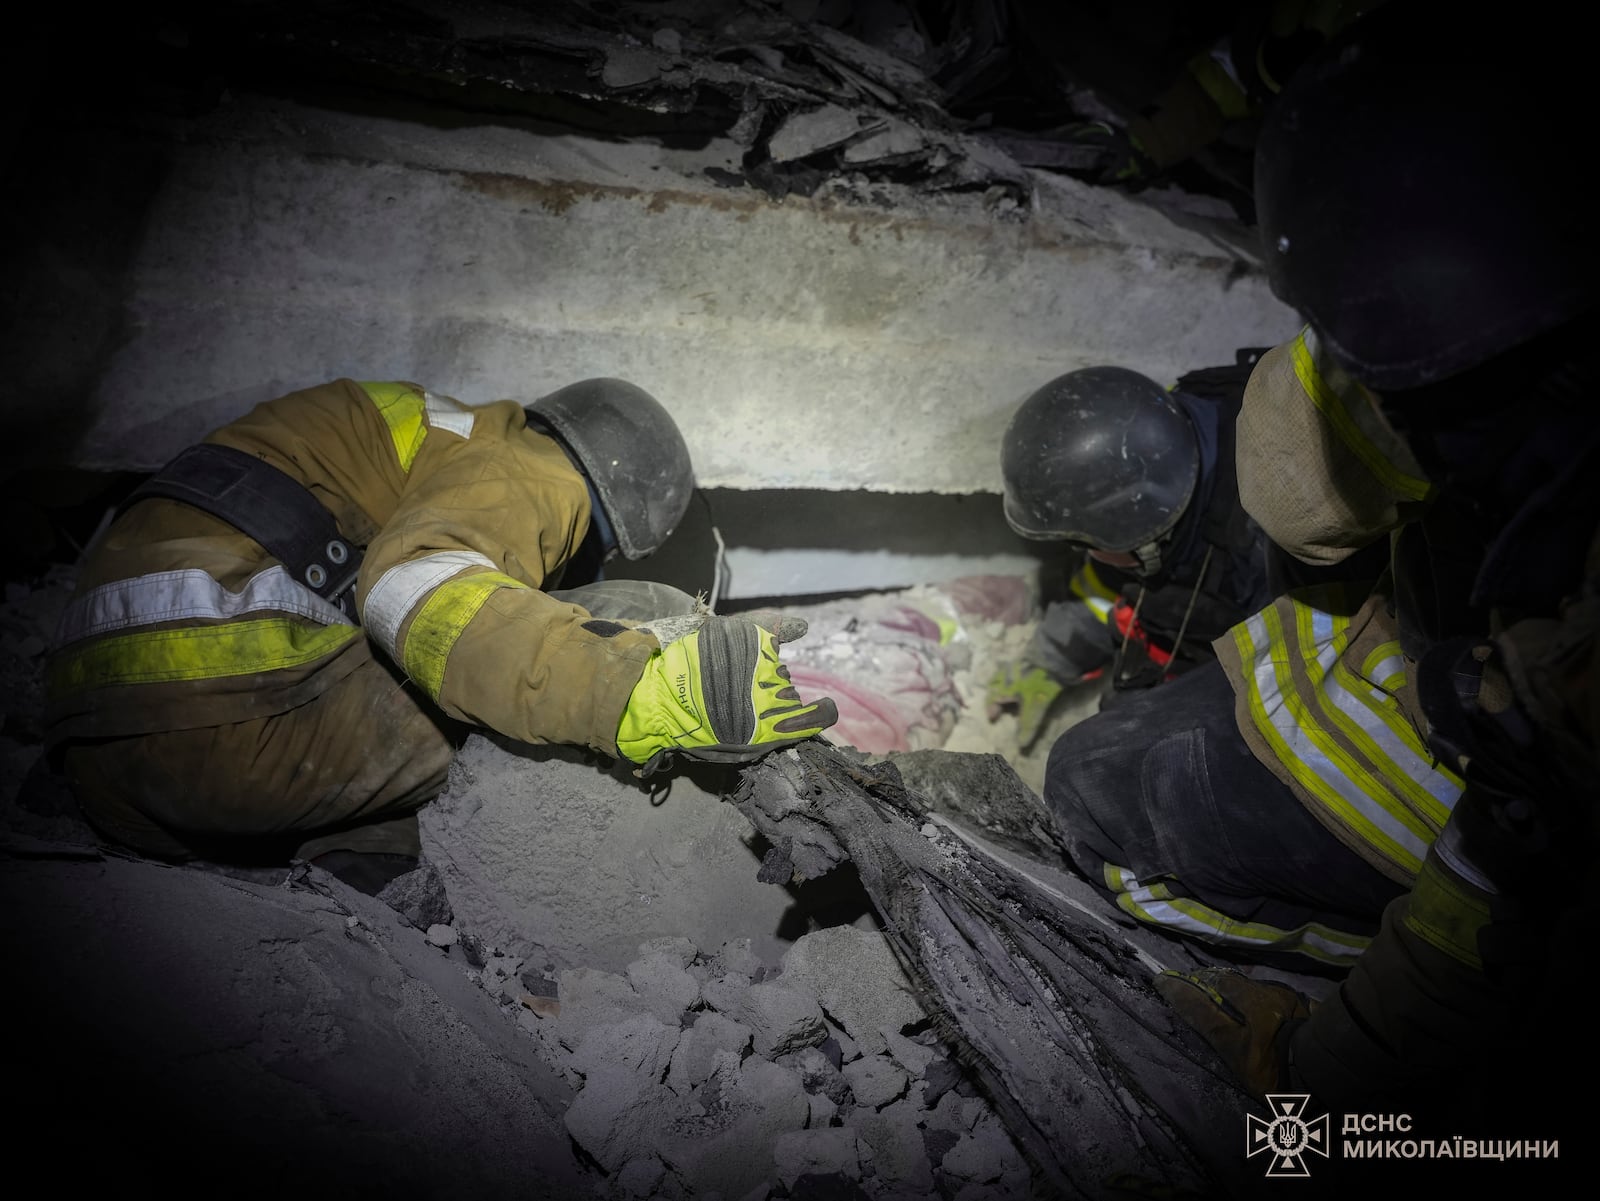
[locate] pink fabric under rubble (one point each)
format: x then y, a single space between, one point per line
889 660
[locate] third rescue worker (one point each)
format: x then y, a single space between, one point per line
1445 731
1139 481
272 645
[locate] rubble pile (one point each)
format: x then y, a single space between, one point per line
701 1074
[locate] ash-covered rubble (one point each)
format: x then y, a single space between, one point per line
711 1074
810 104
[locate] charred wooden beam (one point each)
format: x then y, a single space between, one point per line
1096 1079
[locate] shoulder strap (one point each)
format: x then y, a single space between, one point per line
267 505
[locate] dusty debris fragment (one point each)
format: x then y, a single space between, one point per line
817 1152
696 1054
805 133
641 1177
899 1155
745 1108
664 984
856 978
419 897
443 936
738 958
614 1117
875 1080
643 1044
780 1018
591 998
818 1073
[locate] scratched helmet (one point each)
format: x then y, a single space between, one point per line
631 450
1103 457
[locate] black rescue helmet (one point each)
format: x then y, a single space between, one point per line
1102 456
632 452
1417 185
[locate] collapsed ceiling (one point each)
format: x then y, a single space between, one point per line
940 94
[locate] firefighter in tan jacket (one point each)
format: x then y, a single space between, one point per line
278 643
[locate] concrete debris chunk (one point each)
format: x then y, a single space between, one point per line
894 139
915 1057
641 1177
845 1048
899 1156
699 1046
805 133
680 950
823 1110
614 1117
737 957
419 897
818 1073
629 66
875 1080
856 978
643 1045
819 1153
780 1018
664 985
954 1113
592 998
725 1144
985 1155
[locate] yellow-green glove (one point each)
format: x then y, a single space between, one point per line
719 694
1029 690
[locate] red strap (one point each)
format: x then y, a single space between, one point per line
1122 619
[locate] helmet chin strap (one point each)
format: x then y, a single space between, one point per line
1149 556
601 524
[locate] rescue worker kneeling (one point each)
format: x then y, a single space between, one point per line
277 645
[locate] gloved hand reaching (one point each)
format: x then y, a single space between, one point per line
1028 690
719 694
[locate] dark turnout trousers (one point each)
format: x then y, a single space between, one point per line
1160 802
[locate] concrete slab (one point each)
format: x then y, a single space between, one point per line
874 341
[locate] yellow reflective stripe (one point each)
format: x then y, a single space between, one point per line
1447 913
1317 763
1156 905
439 623
196 653
1404 762
1385 667
1092 591
1219 84
1331 405
401 407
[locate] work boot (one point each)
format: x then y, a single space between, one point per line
1247 1022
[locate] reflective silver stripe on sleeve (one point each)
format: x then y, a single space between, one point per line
405 585
1305 751
448 413
187 594
1454 856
